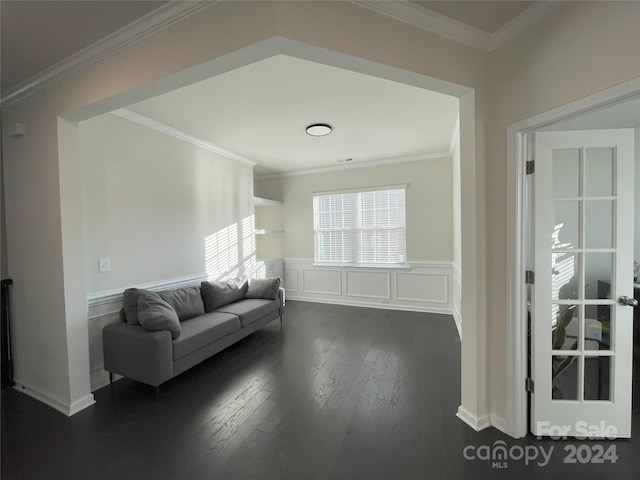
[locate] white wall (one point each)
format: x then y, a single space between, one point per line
153 204
429 201
580 49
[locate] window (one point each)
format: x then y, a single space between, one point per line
362 227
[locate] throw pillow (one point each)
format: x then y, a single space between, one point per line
223 292
156 314
266 288
130 303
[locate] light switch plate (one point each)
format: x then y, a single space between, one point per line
104 265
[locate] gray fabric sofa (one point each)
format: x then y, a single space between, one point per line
162 334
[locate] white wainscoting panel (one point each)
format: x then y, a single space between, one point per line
322 281
365 284
291 280
421 286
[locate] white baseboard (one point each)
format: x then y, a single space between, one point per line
54 401
475 422
498 422
383 306
458 320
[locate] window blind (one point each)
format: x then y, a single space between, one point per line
366 227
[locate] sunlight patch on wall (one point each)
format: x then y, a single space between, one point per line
231 252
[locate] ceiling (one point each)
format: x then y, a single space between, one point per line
260 111
36 35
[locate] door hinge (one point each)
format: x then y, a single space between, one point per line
529 277
529 385
531 167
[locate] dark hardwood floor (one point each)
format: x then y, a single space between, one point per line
338 393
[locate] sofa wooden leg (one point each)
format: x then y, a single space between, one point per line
110 377
157 393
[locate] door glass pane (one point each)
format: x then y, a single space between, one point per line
566 224
564 276
597 332
565 327
597 378
598 172
566 172
598 267
564 377
598 224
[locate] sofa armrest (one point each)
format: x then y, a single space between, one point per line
139 354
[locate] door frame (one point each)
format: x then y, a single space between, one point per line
516 304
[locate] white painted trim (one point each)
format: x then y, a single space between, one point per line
431 21
455 135
523 21
457 278
516 421
498 422
447 27
477 423
266 202
350 166
109 296
180 135
54 401
153 22
380 306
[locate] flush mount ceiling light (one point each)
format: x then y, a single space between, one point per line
319 129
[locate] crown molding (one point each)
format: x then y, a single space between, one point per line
147 25
351 166
179 134
447 27
523 21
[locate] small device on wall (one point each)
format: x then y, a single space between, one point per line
18 130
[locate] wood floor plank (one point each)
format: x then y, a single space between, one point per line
337 393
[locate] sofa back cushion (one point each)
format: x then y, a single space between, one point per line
222 292
154 313
130 303
266 288
187 302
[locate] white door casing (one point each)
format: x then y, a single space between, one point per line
583 248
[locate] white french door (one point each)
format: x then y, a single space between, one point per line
581 327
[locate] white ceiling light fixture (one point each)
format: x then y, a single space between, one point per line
319 129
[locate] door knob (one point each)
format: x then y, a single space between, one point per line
632 302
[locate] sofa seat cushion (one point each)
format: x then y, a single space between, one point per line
200 331
251 309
